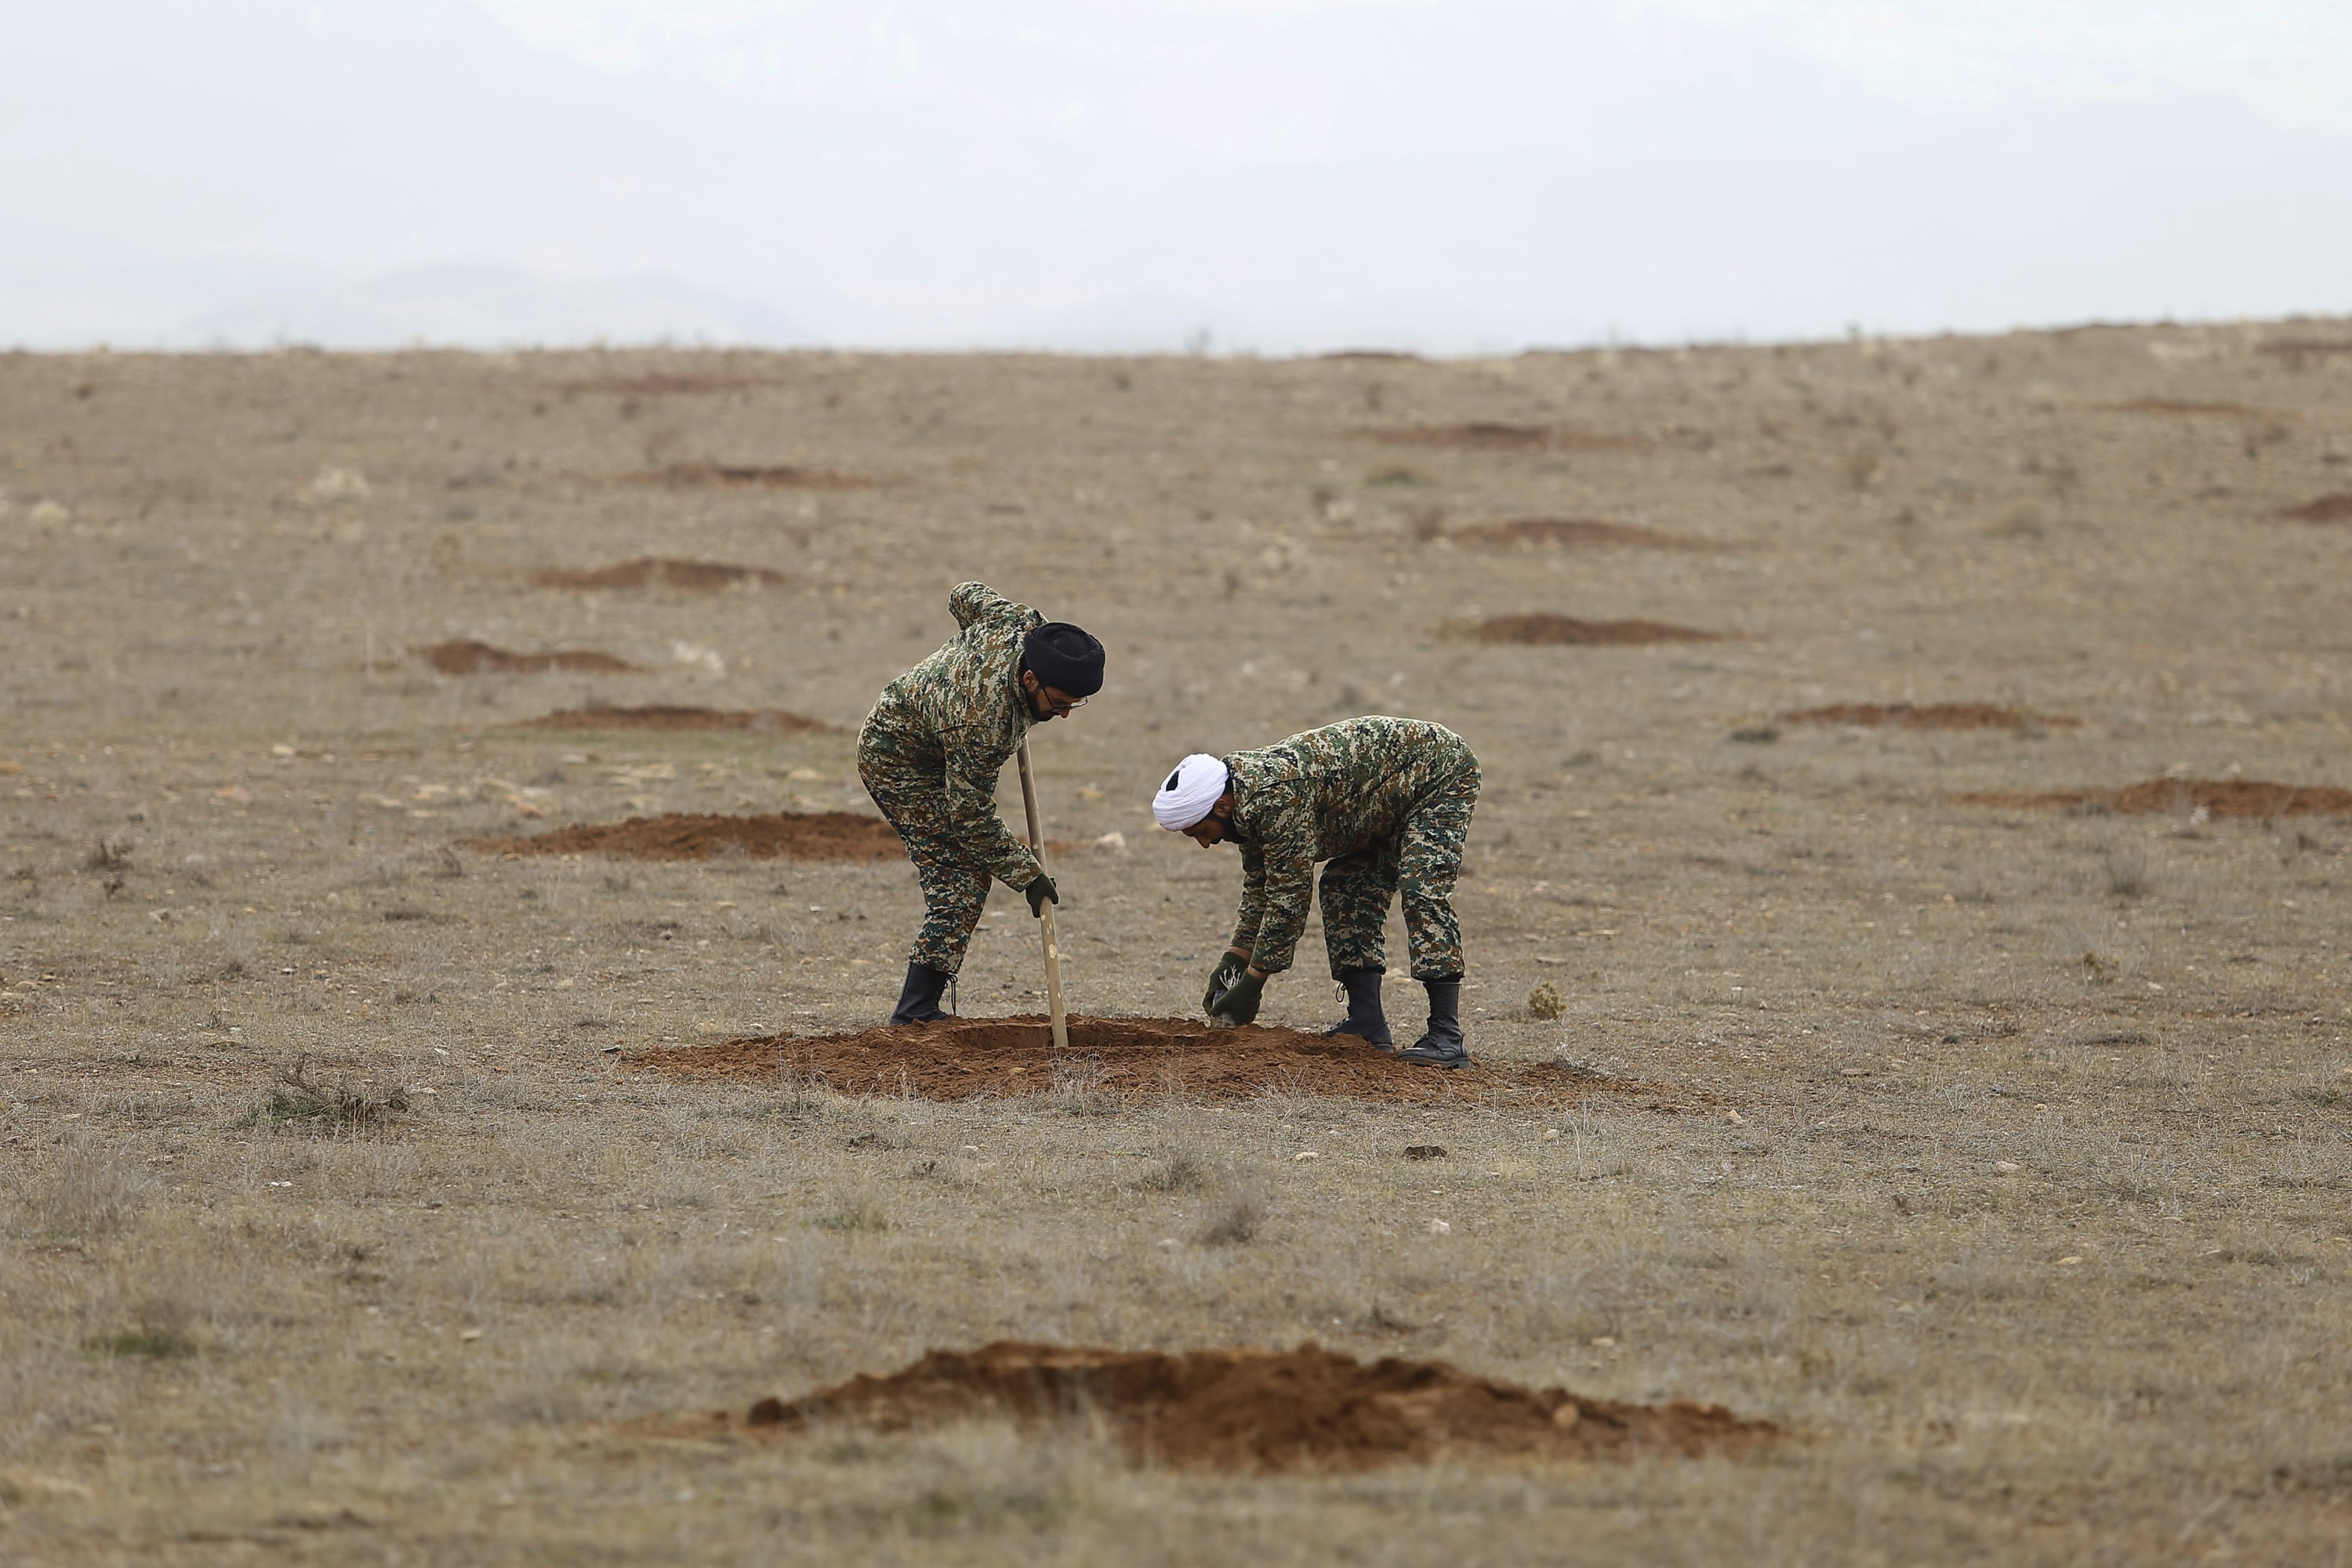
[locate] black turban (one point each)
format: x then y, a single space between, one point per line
1065 658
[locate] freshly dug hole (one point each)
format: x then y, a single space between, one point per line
702 835
1260 1410
1566 631
651 571
1932 716
466 657
1126 1059
1487 437
773 477
2215 798
665 717
2334 508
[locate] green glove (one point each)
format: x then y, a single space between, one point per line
1038 892
1229 966
1240 1001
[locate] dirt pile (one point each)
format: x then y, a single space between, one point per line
1484 436
2299 351
1573 530
677 719
651 571
772 477
1932 716
1566 631
1261 1410
1129 1058
2334 508
698 835
2183 797
466 657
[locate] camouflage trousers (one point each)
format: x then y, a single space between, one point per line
1421 862
955 885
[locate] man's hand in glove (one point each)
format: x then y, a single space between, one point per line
1038 892
1239 1004
1228 970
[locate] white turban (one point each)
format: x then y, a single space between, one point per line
1190 792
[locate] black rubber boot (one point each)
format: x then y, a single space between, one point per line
1364 1020
918 1001
1441 1047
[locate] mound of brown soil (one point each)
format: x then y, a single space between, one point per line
2216 797
2335 507
1566 631
964 1059
1485 436
658 716
699 836
1573 530
1932 716
646 571
466 657
656 383
1259 1410
775 476
2297 350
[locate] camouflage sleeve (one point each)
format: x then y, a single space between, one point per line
1286 884
975 602
972 814
1248 919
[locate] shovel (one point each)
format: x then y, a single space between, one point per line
1045 909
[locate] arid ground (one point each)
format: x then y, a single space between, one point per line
1944 1059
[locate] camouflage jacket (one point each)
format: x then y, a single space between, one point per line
960 715
1326 793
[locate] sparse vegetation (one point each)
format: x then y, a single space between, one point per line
302 1098
1914 1124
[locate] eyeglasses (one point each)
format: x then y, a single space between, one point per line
1061 704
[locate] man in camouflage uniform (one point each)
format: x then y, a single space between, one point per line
930 751
1385 804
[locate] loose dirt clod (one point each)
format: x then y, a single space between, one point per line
773 477
1122 1058
466 657
701 835
1565 631
647 572
1486 437
2334 508
665 717
1261 1410
1574 530
1932 716
2215 798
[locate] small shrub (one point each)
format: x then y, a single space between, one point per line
1239 1221
1179 1171
2124 867
149 1344
857 1210
298 1098
1545 1002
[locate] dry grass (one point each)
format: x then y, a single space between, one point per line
2043 1258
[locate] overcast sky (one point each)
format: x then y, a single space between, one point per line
1454 175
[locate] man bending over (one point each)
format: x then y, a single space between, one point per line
930 751
1385 804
